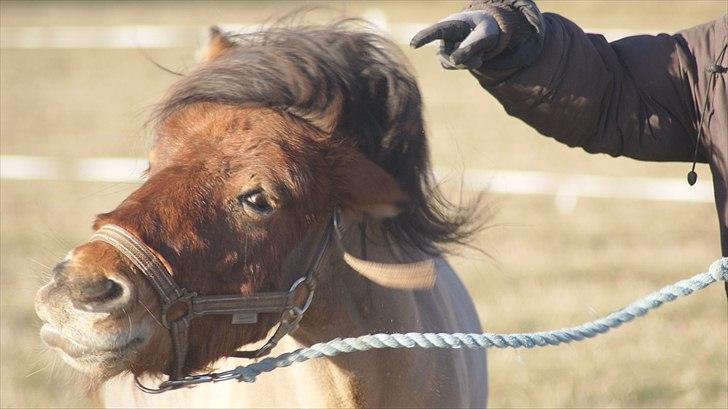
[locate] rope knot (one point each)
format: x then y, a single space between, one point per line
719 269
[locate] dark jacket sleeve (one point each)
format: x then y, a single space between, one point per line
635 97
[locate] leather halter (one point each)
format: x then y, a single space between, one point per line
245 308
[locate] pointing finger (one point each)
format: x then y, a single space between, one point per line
453 30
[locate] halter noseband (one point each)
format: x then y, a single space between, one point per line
244 309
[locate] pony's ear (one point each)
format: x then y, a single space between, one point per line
217 45
362 186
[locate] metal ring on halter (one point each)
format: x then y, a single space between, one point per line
310 284
185 298
291 316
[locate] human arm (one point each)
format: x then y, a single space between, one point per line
636 97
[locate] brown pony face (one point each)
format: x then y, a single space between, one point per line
235 202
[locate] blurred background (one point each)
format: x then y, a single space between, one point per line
574 235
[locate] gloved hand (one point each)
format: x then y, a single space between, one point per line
498 34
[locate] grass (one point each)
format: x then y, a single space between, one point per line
548 269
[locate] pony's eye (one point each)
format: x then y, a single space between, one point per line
256 201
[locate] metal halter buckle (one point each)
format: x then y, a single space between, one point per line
185 298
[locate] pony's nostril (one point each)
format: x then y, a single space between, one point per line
97 291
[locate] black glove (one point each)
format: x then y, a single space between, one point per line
492 34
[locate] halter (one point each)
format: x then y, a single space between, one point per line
244 309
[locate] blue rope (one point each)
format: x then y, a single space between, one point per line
718 271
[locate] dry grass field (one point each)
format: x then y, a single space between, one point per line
549 268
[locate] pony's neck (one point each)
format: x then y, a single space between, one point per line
348 304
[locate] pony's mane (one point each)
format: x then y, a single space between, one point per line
353 84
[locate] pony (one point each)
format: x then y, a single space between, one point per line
255 150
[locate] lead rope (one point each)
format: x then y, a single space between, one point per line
718 271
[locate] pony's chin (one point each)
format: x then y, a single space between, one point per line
92 362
